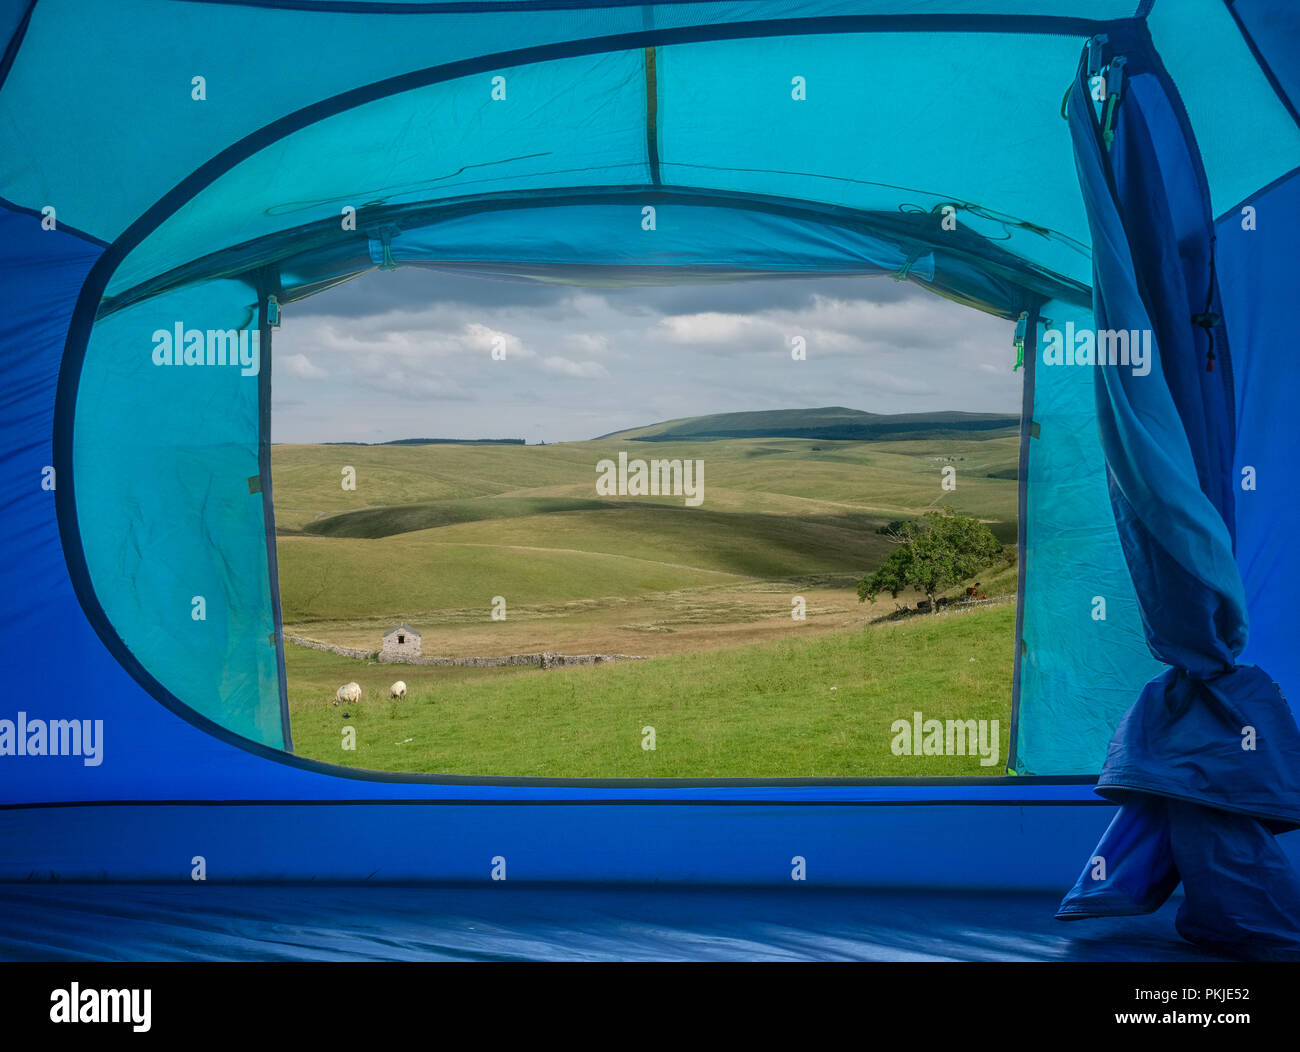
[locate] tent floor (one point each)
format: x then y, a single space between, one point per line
137 922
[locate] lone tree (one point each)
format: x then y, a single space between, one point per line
936 551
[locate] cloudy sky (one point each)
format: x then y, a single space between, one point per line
409 354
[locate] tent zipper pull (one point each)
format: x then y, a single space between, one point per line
1208 321
1114 92
386 241
1019 340
1111 77
906 270
1095 55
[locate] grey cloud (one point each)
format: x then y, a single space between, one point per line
582 362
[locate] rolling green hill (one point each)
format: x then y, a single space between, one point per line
835 423
403 489
432 533
436 534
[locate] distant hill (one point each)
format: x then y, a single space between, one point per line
436 442
833 423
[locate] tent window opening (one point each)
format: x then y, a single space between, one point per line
648 530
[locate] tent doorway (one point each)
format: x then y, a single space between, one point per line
631 525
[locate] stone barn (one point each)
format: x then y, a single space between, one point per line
400 641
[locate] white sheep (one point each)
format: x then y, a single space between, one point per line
397 690
349 692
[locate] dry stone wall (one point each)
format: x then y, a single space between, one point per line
545 659
363 655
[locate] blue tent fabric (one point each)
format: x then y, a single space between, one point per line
1255 267
1273 33
42 272
523 139
1213 741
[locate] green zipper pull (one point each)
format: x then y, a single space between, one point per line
1114 92
1021 325
385 236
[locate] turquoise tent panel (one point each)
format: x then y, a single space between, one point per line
259 63
687 237
264 61
168 496
573 121
731 121
717 117
1081 662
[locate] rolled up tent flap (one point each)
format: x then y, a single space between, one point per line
1206 764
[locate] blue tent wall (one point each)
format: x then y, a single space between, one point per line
1272 31
1255 263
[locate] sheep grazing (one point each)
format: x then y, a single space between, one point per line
349 692
397 690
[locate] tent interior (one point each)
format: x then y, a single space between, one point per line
1115 165
506 201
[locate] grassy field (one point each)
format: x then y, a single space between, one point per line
432 534
820 705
